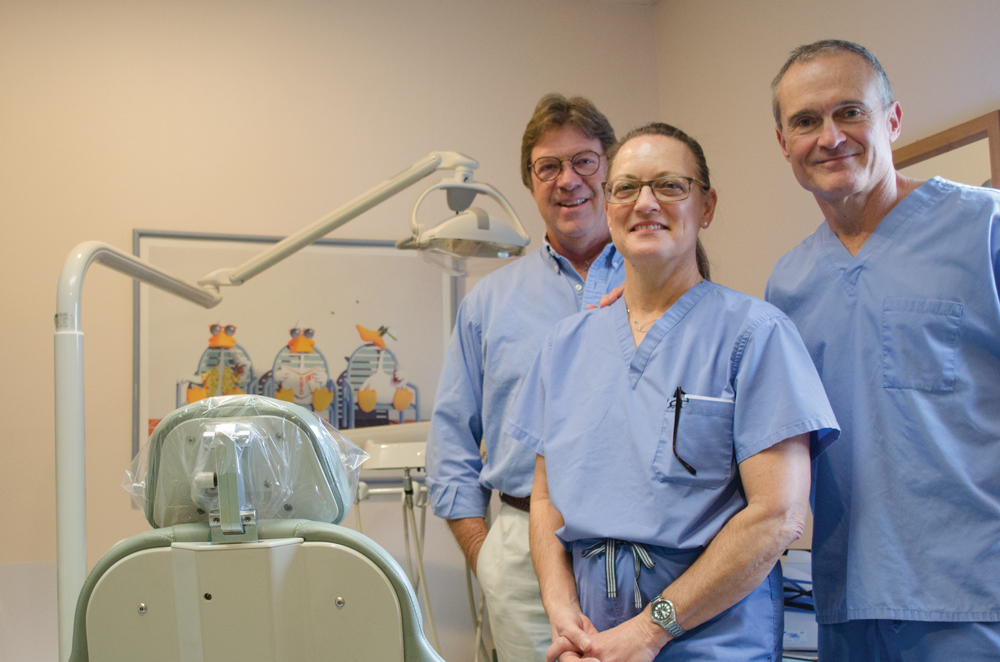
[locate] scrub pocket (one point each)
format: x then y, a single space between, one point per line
919 338
704 440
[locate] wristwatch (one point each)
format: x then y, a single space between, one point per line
664 615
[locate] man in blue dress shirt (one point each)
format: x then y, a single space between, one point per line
896 298
499 330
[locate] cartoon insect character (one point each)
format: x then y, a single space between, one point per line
300 372
224 368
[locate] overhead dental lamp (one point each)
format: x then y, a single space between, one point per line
471 232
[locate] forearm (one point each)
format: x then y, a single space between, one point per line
776 483
744 552
552 562
553 565
470 532
733 564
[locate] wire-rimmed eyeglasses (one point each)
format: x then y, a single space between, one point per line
672 188
547 168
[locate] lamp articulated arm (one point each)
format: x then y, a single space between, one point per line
461 164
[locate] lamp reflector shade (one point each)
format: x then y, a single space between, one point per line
471 233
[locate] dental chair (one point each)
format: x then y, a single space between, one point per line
246 560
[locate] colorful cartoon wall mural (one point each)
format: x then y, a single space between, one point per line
300 374
356 332
372 390
223 369
374 384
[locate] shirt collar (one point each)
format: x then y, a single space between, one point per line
558 262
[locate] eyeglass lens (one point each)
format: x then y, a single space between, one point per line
547 168
665 189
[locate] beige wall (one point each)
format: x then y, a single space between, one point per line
249 117
258 117
716 59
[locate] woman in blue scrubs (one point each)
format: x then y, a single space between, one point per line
674 431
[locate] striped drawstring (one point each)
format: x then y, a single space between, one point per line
640 557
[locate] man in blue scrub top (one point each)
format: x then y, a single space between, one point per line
895 296
499 331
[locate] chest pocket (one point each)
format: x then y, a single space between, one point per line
919 338
704 441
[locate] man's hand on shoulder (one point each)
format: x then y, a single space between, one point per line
609 298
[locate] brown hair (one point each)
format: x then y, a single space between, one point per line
662 129
831 47
555 110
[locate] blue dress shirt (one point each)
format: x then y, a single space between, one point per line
499 330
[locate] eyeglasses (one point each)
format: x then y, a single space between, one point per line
229 329
547 168
678 400
665 189
295 333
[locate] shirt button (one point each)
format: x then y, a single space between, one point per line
578 287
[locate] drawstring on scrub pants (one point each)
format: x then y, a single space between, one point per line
640 557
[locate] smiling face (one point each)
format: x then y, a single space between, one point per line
834 130
571 205
648 232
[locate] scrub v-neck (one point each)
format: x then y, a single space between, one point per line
636 358
839 260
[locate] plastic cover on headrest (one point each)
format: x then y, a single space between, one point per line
293 464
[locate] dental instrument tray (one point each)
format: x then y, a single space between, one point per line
275 459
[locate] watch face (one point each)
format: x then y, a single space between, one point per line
662 611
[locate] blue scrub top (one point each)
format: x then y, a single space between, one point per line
500 328
906 337
601 411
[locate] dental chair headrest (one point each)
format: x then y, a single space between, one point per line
290 463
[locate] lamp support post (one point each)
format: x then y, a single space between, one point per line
71 478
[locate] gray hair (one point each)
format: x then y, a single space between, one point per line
831 47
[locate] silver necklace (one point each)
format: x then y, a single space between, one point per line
636 324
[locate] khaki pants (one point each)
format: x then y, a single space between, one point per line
517 619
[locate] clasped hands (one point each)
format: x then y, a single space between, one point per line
575 639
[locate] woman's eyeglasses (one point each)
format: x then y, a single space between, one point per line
673 188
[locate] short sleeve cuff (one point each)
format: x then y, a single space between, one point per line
515 431
822 433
